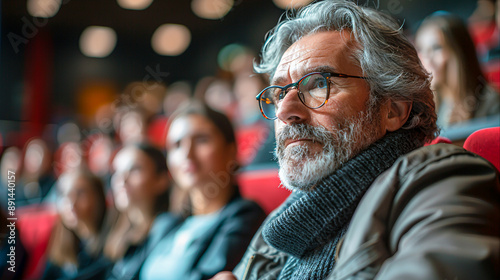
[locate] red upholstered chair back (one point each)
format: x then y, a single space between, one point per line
263 187
157 132
35 225
486 143
439 139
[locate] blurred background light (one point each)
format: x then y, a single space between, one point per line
228 53
43 8
134 4
286 4
97 41
211 9
68 132
171 39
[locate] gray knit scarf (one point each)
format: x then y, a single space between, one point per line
310 228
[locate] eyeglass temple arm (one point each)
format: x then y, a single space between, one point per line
347 76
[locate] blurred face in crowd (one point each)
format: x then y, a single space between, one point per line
198 153
135 181
71 157
436 55
10 161
219 96
244 88
312 143
99 155
36 158
78 202
132 128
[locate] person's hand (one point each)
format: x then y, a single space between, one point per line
225 275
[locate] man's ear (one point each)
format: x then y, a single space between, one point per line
397 113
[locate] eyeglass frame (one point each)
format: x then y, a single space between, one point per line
284 89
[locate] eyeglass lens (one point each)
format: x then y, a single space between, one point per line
312 92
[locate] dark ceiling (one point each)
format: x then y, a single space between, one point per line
78 14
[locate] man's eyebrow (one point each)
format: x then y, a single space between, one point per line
322 68
278 81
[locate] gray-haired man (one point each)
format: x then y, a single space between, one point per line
352 108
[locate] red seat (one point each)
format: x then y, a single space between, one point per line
249 140
264 187
35 227
157 131
486 143
439 139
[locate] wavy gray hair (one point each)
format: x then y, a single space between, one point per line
384 55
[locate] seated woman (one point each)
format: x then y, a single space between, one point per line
220 223
76 245
141 191
447 51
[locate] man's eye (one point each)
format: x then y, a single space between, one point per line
319 83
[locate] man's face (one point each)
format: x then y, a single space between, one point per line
312 143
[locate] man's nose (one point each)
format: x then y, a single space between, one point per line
291 109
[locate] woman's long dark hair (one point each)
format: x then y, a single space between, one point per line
64 243
471 79
162 202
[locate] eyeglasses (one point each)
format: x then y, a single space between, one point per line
313 91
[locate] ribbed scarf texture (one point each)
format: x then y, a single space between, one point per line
311 226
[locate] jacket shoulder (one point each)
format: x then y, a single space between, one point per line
437 156
434 209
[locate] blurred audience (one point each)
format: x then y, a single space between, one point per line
447 51
484 28
219 223
217 93
99 151
246 87
77 241
178 93
37 177
141 191
252 131
148 95
10 161
68 156
131 125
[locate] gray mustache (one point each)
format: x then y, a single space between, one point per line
297 131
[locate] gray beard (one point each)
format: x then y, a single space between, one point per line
301 169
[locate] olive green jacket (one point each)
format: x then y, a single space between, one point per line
435 214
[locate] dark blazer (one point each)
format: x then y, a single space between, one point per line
89 268
223 245
129 266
